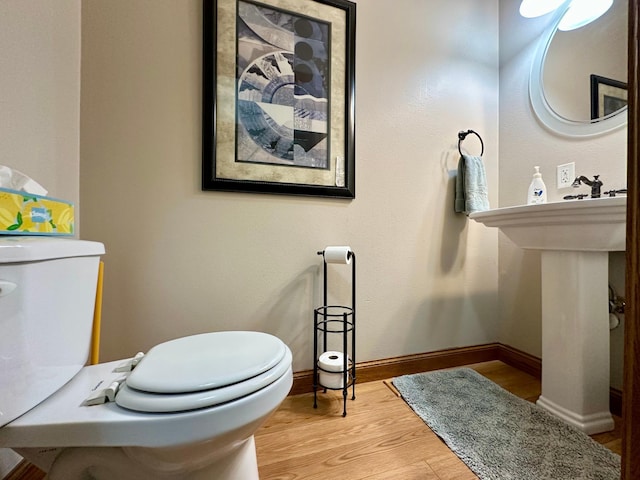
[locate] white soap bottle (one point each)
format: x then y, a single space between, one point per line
537 189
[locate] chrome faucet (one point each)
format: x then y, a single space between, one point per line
595 184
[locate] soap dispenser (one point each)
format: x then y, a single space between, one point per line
537 189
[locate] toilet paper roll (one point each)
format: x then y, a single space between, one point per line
332 362
614 321
337 254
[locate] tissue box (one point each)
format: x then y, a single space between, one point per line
23 213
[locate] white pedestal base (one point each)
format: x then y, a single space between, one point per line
589 424
575 338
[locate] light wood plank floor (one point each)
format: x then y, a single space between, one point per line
380 438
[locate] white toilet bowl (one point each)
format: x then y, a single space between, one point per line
204 397
188 410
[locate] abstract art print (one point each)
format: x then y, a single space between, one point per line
282 93
278 97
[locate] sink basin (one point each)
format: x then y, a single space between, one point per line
575 238
595 224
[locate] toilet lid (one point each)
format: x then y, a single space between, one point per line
204 370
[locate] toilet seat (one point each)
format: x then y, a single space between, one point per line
63 419
203 370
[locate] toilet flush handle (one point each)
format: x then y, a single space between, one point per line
6 287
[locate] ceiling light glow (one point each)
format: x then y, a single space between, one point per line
537 8
582 12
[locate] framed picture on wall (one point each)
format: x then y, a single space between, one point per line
607 96
278 97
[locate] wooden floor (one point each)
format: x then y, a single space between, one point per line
379 439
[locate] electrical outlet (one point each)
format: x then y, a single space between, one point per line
566 174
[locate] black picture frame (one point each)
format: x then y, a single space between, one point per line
607 96
222 76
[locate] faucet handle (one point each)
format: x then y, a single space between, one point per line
613 193
580 196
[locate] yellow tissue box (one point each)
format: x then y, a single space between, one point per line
23 213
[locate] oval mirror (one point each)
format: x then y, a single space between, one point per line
578 78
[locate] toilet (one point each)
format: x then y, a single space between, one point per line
186 409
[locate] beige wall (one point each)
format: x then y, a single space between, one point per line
181 261
40 92
40 101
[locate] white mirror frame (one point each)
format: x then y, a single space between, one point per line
545 112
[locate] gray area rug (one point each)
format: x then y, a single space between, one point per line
501 436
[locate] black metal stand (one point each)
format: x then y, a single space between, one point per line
336 319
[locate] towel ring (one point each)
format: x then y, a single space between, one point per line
462 135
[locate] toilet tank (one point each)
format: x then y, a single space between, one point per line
47 297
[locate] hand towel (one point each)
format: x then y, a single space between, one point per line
471 186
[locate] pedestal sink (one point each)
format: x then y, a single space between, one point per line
575 238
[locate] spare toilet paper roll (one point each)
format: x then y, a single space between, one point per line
337 254
332 362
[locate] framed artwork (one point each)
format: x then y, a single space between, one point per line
607 96
278 97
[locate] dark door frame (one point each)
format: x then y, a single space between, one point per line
631 388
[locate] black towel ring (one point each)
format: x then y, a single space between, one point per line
462 135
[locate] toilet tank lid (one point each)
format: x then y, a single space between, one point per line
30 249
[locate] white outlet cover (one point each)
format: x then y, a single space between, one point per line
566 173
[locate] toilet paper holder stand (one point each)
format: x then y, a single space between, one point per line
340 320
